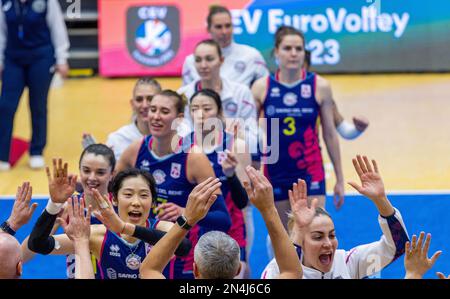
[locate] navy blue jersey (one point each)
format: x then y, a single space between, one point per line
297 135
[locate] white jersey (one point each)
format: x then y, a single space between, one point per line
122 138
242 64
361 261
237 103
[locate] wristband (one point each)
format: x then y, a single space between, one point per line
7 229
53 208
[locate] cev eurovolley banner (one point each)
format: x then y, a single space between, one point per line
138 37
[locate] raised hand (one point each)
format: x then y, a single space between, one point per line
106 213
22 211
169 211
78 226
61 185
87 140
303 213
361 123
371 183
229 164
201 199
417 262
261 194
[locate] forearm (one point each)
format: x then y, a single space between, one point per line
238 194
217 217
284 251
40 240
152 236
163 251
332 143
83 262
384 207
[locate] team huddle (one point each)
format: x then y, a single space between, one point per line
170 195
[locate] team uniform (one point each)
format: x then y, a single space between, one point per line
173 186
237 103
119 140
297 112
237 230
362 261
120 259
33 37
243 64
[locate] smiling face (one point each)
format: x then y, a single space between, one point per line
140 102
134 200
221 29
161 115
319 244
95 172
291 52
207 61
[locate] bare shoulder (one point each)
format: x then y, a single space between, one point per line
323 90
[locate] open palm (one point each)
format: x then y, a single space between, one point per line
298 199
371 183
61 185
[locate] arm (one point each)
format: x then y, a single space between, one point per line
189 73
368 259
199 169
261 195
261 70
199 202
417 262
78 230
259 93
330 137
129 156
113 222
60 38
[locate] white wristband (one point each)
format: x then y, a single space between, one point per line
53 208
348 130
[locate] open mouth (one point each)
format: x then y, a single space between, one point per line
156 126
325 259
93 185
134 216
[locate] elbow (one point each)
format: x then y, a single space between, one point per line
41 246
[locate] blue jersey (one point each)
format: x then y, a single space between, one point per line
216 156
297 136
120 259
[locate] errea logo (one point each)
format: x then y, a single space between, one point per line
114 250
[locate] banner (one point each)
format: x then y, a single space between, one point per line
153 38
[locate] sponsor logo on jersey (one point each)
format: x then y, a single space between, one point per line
145 165
133 261
114 250
111 273
175 170
315 185
221 156
240 66
270 110
231 109
306 91
290 99
153 34
275 92
160 176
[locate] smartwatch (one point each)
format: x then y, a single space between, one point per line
7 229
182 222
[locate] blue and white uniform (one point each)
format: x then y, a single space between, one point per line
172 185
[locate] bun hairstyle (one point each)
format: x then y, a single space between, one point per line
213 10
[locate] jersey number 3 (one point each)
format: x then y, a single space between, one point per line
290 122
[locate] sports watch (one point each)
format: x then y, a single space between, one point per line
182 221
7 229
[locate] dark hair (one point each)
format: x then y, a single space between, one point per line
180 100
100 149
118 179
147 81
211 94
213 10
287 30
211 42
